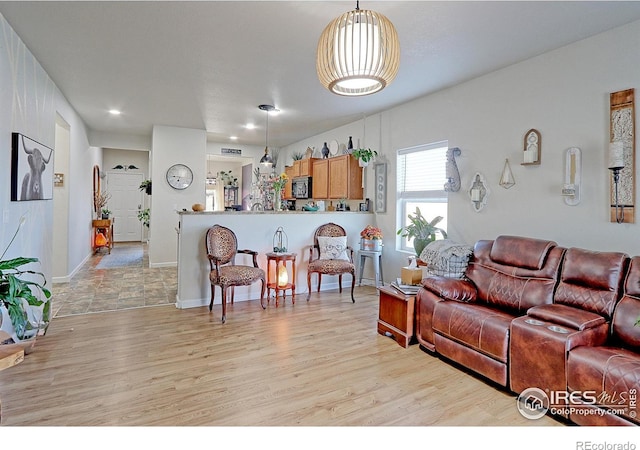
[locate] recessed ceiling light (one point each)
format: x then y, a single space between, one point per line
233 138
114 112
250 126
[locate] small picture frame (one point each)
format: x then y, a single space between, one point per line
363 207
58 179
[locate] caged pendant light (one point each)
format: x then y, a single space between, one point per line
358 53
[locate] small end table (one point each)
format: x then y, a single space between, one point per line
281 260
396 316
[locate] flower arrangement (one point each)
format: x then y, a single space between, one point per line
371 233
279 182
101 199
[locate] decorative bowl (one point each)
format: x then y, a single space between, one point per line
197 207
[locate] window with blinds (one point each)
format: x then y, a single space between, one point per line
421 177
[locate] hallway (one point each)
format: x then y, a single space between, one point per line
124 283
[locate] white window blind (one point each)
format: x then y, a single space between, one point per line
422 171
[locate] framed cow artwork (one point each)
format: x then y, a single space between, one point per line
31 169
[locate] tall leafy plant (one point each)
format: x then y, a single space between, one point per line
421 230
18 295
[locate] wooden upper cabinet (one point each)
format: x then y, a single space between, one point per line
345 178
304 167
320 180
289 171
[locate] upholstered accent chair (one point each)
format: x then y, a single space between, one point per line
330 255
222 247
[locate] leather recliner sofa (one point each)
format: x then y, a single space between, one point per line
533 314
468 321
607 377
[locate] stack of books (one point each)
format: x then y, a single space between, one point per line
406 289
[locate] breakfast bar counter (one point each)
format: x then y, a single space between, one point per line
255 231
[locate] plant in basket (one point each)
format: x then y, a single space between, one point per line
371 238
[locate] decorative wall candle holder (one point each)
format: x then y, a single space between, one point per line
532 148
478 192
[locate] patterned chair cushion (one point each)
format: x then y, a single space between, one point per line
236 275
331 266
333 247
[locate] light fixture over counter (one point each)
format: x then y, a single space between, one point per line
358 53
266 159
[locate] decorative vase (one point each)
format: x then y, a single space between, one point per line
362 163
325 151
419 245
277 200
372 245
350 146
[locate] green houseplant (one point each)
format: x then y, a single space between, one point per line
421 230
364 155
145 187
24 295
144 215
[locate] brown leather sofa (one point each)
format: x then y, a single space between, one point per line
607 377
468 321
533 314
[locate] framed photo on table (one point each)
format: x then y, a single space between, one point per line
380 200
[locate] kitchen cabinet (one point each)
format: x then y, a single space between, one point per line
289 172
336 178
320 187
345 178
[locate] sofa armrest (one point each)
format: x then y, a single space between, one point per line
451 288
577 319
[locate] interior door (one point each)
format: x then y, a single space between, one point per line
125 201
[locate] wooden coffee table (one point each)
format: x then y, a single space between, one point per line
396 316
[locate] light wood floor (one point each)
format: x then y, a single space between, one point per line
318 363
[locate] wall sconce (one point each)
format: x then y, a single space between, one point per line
478 192
572 176
616 164
506 179
532 148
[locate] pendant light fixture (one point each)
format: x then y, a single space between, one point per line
358 53
266 160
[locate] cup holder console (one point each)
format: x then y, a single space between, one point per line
558 329
533 322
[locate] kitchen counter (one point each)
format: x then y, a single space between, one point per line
255 230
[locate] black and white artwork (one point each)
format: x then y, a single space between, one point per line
31 169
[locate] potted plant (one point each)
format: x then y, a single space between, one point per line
105 213
371 239
24 300
145 187
364 156
421 230
144 216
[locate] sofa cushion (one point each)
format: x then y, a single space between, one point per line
624 330
610 372
591 280
484 329
521 252
513 288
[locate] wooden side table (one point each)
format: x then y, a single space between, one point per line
396 316
104 226
281 260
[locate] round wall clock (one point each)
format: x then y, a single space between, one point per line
179 176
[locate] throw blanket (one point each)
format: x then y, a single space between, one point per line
446 258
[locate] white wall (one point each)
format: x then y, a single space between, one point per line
30 102
565 95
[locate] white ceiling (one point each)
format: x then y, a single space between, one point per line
209 64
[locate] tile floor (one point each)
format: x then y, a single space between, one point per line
97 290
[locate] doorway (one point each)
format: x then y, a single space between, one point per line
125 203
